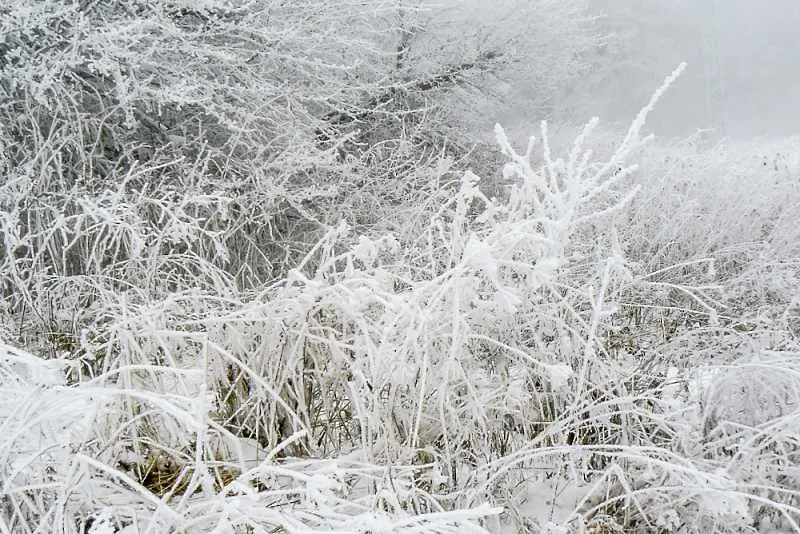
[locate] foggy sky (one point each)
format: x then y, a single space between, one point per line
743 76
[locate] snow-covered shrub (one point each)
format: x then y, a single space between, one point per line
478 343
719 215
132 130
430 353
437 354
68 468
710 310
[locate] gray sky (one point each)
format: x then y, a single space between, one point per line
743 76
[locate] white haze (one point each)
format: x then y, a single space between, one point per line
743 77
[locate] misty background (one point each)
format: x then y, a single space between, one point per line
743 57
742 78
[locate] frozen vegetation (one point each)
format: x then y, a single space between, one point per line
260 274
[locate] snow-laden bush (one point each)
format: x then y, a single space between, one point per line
434 353
451 377
133 131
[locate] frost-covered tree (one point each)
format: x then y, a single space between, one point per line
232 131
